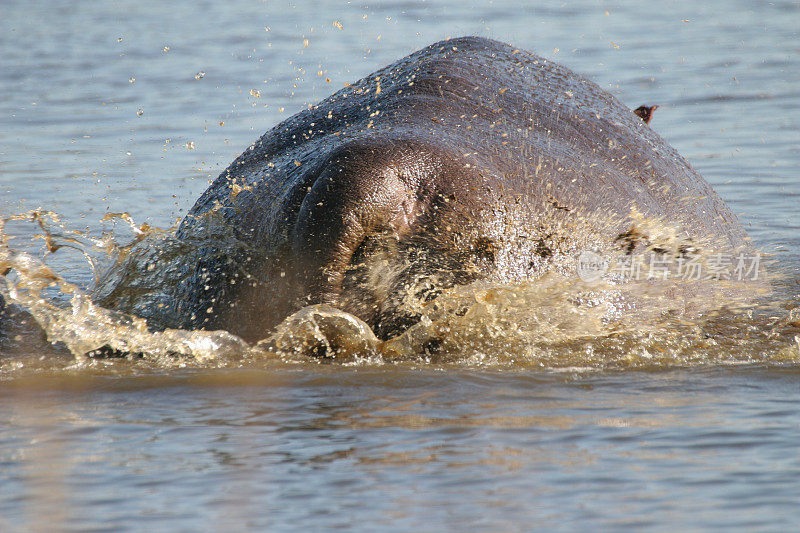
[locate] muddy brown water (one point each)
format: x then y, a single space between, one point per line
524 420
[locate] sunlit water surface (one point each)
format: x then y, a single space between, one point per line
110 108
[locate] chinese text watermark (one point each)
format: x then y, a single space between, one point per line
741 266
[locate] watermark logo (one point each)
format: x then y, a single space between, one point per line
591 265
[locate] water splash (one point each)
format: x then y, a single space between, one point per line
554 322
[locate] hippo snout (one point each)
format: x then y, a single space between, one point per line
365 191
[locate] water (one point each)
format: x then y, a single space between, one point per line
385 448
661 429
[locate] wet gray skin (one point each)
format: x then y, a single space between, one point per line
466 160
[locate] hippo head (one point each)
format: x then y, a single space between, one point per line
468 159
386 227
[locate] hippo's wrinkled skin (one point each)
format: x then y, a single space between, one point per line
468 159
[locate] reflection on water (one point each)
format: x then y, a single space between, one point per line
692 426
313 446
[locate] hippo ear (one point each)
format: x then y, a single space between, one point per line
645 113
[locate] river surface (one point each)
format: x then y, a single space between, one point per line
134 108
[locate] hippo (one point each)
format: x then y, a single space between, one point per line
467 160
